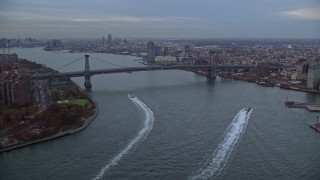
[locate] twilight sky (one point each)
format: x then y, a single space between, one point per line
160 19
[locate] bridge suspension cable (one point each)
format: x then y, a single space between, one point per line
104 61
76 60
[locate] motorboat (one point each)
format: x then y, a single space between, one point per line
248 108
131 95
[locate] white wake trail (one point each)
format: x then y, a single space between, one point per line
219 159
148 124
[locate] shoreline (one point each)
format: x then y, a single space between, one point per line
196 72
69 132
88 52
61 134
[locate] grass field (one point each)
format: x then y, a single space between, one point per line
81 102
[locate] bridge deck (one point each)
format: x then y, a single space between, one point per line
143 68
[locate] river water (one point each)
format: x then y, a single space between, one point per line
179 126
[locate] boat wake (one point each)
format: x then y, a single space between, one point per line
148 124
216 163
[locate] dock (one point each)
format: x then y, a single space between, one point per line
315 127
314 108
311 107
292 104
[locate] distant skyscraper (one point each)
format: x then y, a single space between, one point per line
54 44
187 48
109 39
158 51
166 51
305 68
151 52
313 76
103 41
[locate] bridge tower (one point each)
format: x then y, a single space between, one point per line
212 71
87 74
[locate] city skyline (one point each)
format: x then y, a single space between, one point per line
165 19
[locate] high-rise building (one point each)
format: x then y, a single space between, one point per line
3 43
104 41
187 48
313 76
15 89
2 92
166 51
305 69
158 51
15 84
109 39
54 45
151 52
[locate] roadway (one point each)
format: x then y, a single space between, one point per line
143 68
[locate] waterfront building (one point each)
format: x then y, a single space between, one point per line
158 51
313 76
262 70
165 60
54 45
151 52
305 68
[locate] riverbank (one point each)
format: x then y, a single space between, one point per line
65 133
286 86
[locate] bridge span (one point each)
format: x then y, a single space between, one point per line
136 69
210 69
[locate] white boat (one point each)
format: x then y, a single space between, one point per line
131 95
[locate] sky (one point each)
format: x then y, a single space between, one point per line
160 19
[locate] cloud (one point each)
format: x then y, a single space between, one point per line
306 13
129 19
61 17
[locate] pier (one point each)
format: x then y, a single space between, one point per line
315 126
309 106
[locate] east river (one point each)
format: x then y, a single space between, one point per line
179 126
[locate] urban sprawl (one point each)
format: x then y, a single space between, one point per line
24 101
